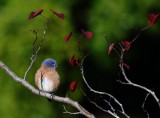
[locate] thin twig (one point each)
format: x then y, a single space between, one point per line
144 105
34 54
73 113
110 105
34 43
99 107
107 111
137 36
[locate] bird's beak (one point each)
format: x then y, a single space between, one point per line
57 65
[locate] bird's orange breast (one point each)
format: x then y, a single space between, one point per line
47 79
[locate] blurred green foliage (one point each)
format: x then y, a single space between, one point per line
113 18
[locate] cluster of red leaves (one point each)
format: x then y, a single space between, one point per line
125 45
153 18
73 86
74 62
38 12
88 35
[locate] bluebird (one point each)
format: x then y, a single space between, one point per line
46 77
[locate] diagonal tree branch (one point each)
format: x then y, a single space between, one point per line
66 100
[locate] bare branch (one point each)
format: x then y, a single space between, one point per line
138 86
74 113
129 82
144 104
107 111
110 105
35 53
99 107
102 93
66 100
137 36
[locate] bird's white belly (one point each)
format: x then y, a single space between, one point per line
46 85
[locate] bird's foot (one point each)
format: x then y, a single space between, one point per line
40 92
50 100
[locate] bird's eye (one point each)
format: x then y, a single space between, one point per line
53 64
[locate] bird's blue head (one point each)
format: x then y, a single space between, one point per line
50 63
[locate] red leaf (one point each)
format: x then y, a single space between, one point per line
61 15
68 37
34 14
74 62
87 34
126 45
71 59
152 18
110 48
73 86
126 65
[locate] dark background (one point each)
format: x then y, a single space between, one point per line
119 20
